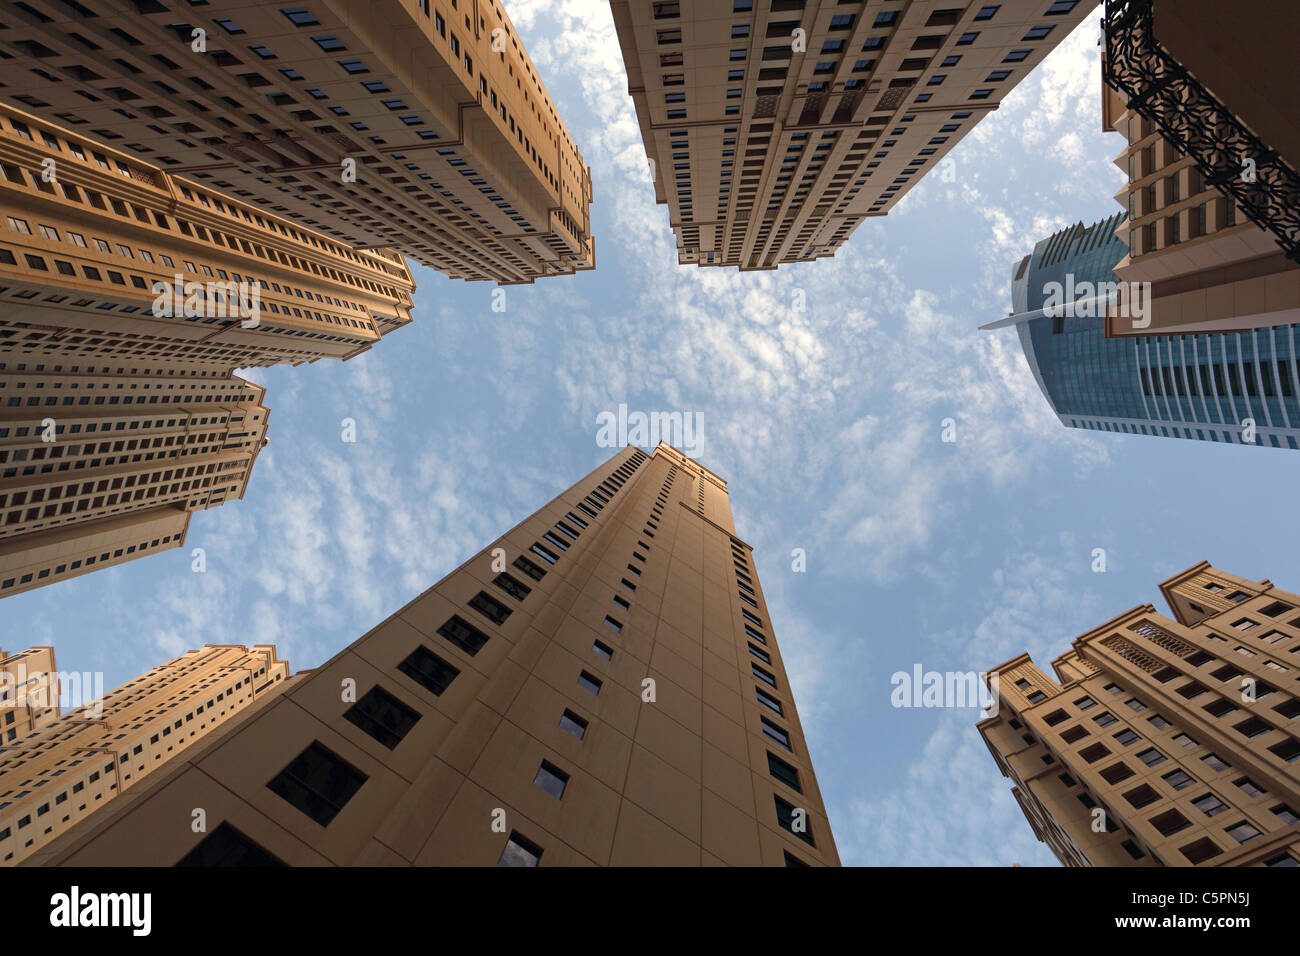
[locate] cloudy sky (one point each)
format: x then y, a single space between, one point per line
827 424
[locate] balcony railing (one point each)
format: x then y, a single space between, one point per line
1196 123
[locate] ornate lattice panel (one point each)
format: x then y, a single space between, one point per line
1161 638
1132 653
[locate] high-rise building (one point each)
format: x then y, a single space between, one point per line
70 768
417 124
1162 741
774 129
119 412
88 230
1238 387
601 685
1205 96
109 462
29 692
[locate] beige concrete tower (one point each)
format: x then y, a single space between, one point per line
101 464
417 124
1214 224
601 685
1163 741
775 127
87 231
72 767
29 692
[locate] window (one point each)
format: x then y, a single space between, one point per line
382 716
544 554
775 733
1170 822
1151 757
1073 734
1200 850
966 39
1016 56
573 724
1094 753
1178 779
793 820
227 846
762 675
1061 7
512 586
428 670
782 771
770 702
613 625
1241 832
604 650
551 779
464 635
1215 762
1141 796
1085 703
587 682
519 852
530 569
987 13
1209 804
299 16
318 782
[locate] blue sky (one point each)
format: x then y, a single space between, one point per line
826 423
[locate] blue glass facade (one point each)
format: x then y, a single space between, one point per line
1205 387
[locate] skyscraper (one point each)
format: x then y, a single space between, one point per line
112 464
1205 95
120 414
775 129
416 124
1162 741
599 685
72 767
88 230
1238 387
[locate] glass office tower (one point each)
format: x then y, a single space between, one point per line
1225 386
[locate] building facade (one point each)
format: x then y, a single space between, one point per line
420 125
29 692
91 236
775 128
1203 94
101 464
1239 387
129 298
1162 740
601 685
74 766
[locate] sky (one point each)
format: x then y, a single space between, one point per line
827 422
